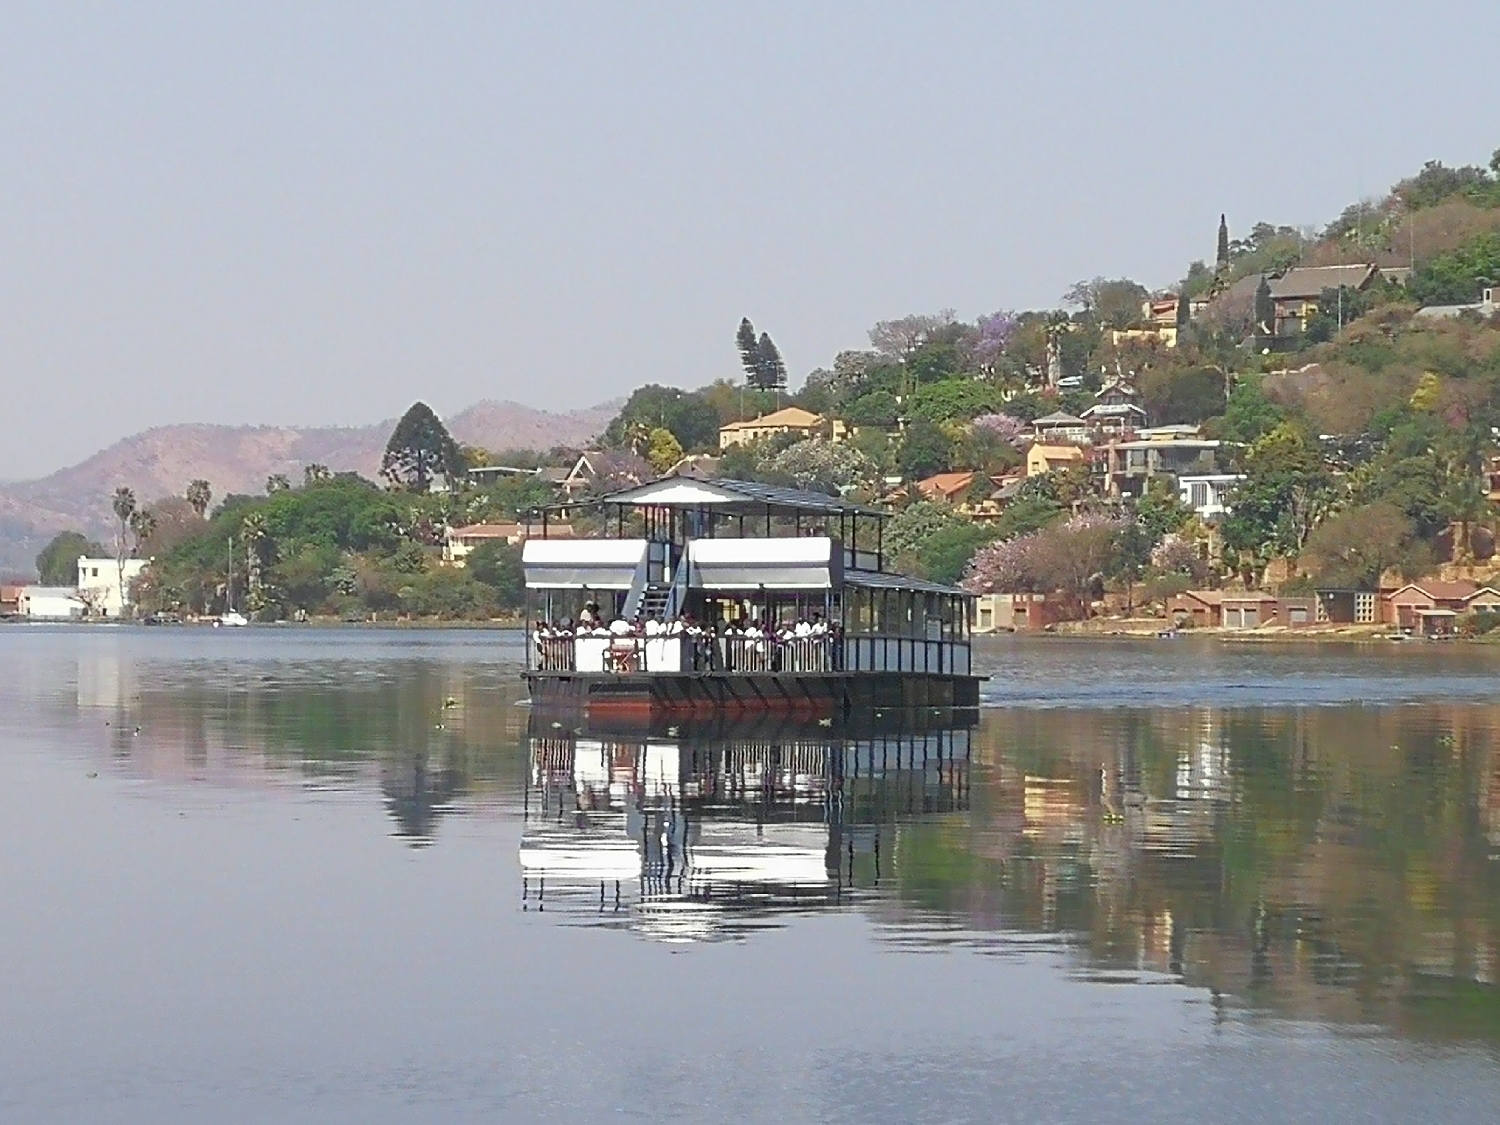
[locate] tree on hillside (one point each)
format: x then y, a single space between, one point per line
1437 182
819 466
1071 557
1459 275
955 398
1221 253
770 370
420 449
277 482
1357 546
945 555
1250 414
1265 309
497 564
878 408
1174 396
925 449
749 348
316 474
988 345
199 495
759 356
1161 511
662 449
1114 302
1005 427
57 565
909 528
1184 312
690 415
164 525
901 337
1285 494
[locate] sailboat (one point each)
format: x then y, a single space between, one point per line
230 616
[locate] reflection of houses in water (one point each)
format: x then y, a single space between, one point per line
692 840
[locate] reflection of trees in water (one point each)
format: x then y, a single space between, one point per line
1329 862
417 790
431 731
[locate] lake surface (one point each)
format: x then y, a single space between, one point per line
305 875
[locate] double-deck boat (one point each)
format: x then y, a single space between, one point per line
725 597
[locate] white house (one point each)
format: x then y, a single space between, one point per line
49 602
1206 494
100 584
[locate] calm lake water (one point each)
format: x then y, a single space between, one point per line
297 875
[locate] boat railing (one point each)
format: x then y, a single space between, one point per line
679 652
554 654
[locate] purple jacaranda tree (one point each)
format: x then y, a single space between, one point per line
1069 557
994 334
1004 568
1176 554
1007 428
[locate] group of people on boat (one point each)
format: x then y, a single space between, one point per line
739 644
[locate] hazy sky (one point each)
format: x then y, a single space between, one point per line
316 213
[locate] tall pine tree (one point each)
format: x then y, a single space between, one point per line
420 449
749 348
1221 262
769 369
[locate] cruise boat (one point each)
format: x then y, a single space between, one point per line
708 598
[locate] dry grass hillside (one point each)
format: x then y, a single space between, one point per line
160 462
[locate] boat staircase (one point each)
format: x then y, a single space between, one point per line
660 587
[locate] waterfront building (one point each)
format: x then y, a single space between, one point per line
104 584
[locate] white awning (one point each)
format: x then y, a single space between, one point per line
808 563
594 564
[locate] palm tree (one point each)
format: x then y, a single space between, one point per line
637 437
199 495
254 533
142 527
125 507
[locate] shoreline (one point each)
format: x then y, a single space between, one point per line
1155 628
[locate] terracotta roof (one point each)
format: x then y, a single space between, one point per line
1441 591
944 485
1207 597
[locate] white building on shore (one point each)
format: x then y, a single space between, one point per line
104 585
49 603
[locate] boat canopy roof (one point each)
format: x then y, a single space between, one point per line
884 580
732 496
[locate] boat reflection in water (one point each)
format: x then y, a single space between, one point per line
715 834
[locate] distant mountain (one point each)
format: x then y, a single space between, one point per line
161 461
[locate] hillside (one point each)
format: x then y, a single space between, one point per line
160 462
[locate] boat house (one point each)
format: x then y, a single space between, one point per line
725 596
